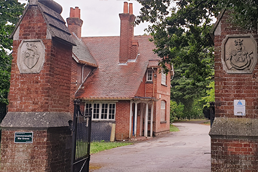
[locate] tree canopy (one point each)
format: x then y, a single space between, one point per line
10 11
180 30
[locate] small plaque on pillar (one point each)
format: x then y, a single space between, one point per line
239 107
23 137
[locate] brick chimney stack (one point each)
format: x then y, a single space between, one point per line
74 21
128 46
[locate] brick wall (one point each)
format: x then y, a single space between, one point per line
233 86
77 70
122 120
160 92
48 90
33 25
239 153
231 147
36 156
163 94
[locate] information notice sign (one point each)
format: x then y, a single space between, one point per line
23 137
239 107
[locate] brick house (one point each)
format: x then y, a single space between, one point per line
52 65
120 79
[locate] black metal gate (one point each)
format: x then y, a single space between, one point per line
81 139
212 112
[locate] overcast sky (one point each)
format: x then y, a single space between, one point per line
100 17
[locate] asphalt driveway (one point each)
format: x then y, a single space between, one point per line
185 151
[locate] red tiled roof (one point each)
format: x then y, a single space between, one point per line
153 63
81 53
111 80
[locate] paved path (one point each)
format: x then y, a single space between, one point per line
185 151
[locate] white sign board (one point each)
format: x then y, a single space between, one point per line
239 107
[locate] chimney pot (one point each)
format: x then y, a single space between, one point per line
130 8
74 22
77 12
128 47
71 12
125 7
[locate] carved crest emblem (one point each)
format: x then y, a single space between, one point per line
239 58
31 55
239 54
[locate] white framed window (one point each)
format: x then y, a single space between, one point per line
149 75
163 77
101 111
104 111
163 111
87 109
112 110
96 111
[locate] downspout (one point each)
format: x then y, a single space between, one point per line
153 82
145 88
82 72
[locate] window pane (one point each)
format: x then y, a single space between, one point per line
87 109
104 111
163 105
149 75
163 111
163 78
111 111
96 111
162 115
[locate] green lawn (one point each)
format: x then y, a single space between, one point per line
101 146
81 147
173 128
207 123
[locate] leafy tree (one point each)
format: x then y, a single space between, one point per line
10 11
245 13
210 95
181 33
176 111
180 30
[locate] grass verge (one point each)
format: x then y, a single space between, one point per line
173 128
207 123
101 146
187 120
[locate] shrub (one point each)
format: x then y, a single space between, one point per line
176 111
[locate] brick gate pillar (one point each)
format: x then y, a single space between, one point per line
234 134
35 131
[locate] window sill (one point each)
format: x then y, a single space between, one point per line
103 120
149 82
163 122
164 85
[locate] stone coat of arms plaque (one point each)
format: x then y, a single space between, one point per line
31 56
239 54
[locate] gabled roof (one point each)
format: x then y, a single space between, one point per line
54 21
214 27
81 53
153 63
112 80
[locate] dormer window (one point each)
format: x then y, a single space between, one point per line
149 75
